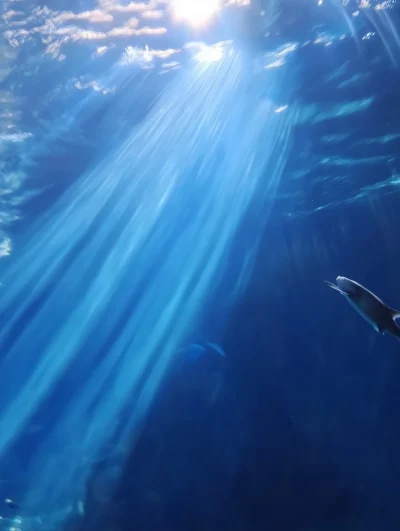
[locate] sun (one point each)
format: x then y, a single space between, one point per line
196 12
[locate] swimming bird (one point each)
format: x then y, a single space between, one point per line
368 305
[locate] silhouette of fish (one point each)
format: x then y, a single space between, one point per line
368 305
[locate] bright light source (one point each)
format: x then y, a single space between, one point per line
209 54
196 12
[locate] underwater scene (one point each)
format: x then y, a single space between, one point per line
199 265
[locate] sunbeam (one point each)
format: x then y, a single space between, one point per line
125 264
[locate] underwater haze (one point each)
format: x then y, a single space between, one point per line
178 178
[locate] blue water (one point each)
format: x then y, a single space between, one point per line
174 191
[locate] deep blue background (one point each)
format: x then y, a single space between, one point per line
298 428
305 432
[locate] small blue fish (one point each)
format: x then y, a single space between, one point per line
11 504
217 348
194 352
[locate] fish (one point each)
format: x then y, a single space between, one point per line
216 348
11 504
196 350
380 316
193 353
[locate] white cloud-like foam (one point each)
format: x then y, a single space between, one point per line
144 57
55 28
14 137
5 246
113 20
95 85
154 14
115 6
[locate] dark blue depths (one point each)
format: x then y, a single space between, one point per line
297 428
